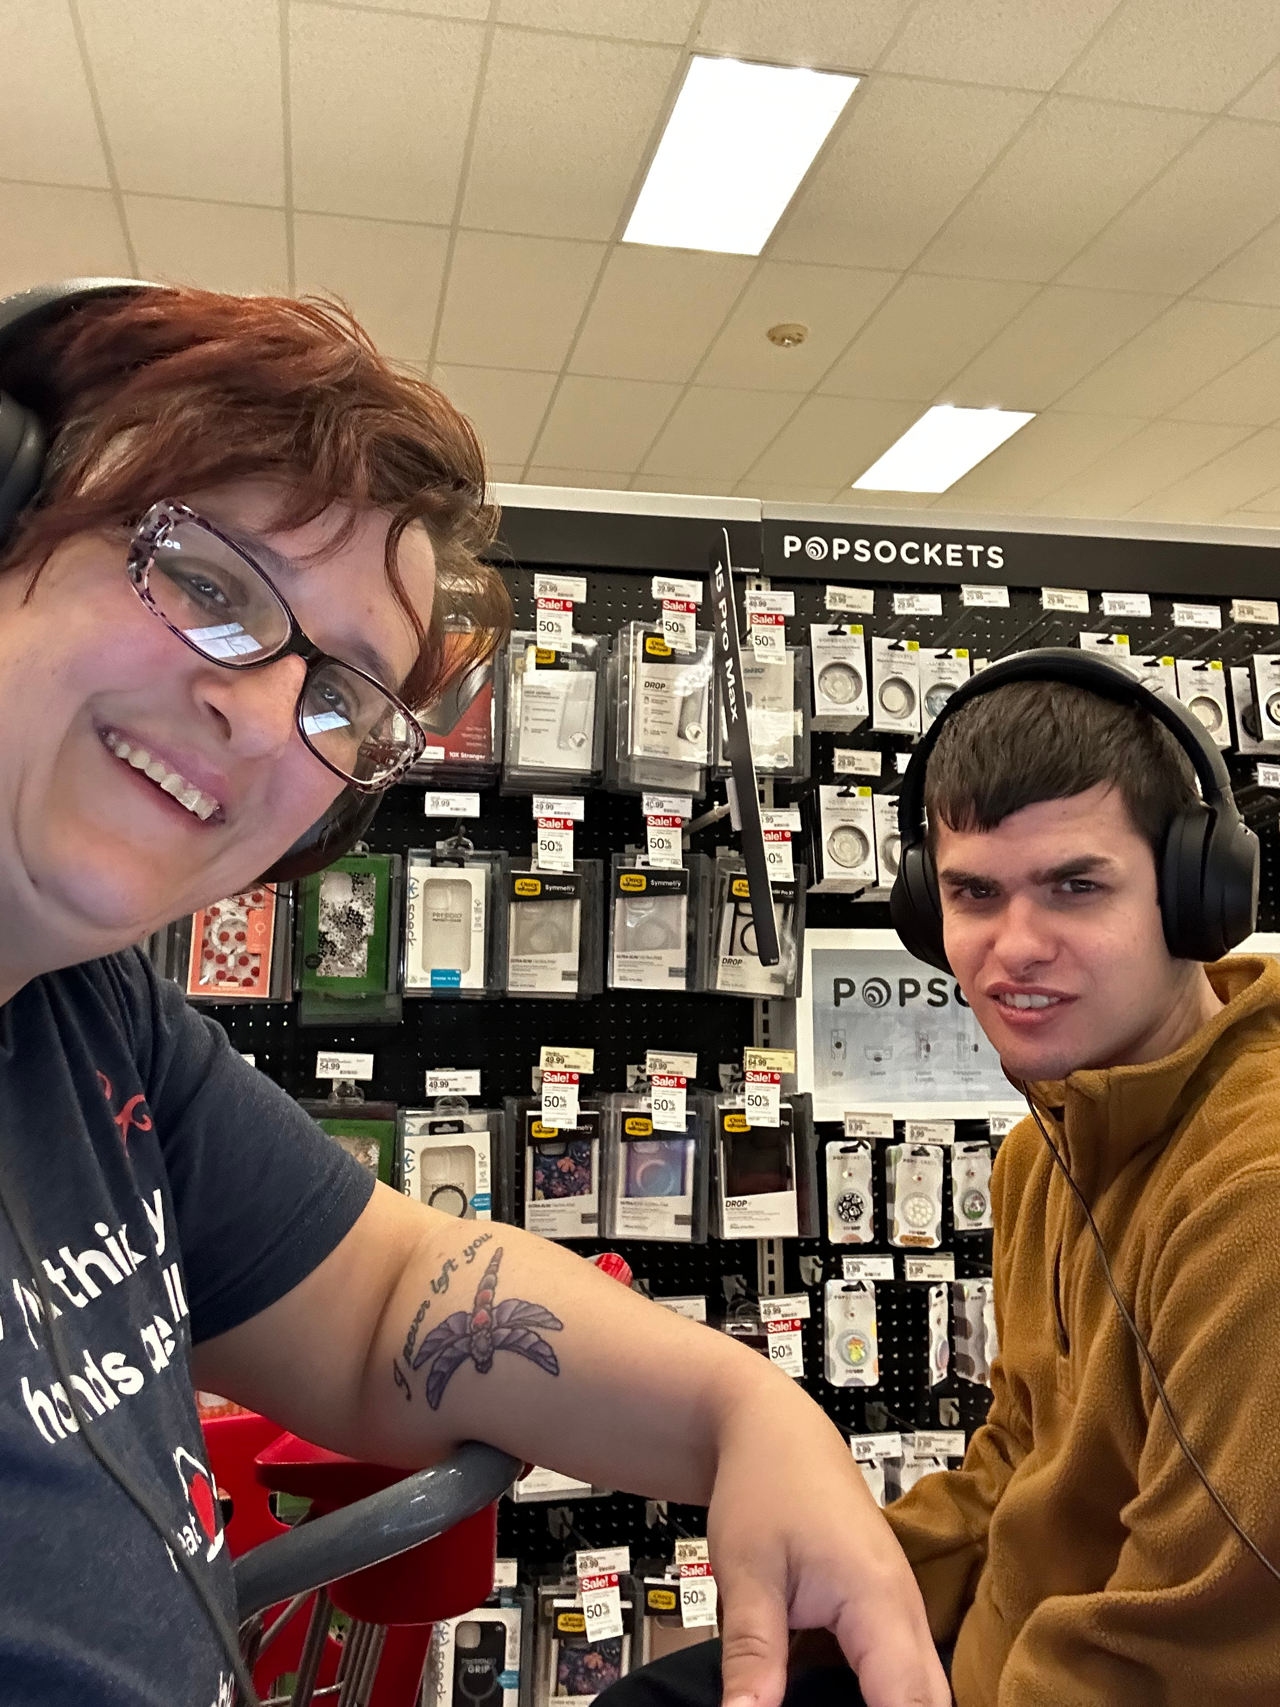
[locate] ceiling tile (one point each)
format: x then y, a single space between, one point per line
1251 275
380 107
1221 192
1029 45
635 20
1262 101
833 302
596 479
52 234
923 335
1241 476
786 491
704 488
1250 519
1059 337
1037 458
191 95
1162 452
1172 357
47 128
829 34
505 405
390 275
1199 54
901 161
716 434
1247 394
211 244
1072 169
656 311
563 125
477 9
604 423
515 301
831 440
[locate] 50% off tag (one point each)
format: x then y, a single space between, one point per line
763 1098
698 1594
668 1099
559 1097
601 1606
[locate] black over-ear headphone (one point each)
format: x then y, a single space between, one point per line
1207 869
25 439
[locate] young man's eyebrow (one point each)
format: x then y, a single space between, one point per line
1083 866
951 874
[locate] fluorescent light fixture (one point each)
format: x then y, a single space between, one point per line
944 443
738 141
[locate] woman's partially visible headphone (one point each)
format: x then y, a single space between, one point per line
24 446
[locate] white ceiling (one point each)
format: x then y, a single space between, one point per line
1068 208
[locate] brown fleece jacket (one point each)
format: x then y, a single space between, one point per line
1076 1559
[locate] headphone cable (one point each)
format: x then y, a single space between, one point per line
1144 1351
122 1477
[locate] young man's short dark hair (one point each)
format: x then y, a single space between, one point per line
1035 741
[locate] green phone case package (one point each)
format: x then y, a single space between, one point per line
348 942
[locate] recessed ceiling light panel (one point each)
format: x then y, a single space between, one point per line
945 443
739 140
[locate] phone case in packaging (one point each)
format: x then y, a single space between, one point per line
971 1187
554 930
660 707
1202 688
884 811
656 919
348 942
851 1356
1155 672
561 1169
776 691
454 921
234 950
664 1631
571 1670
764 1185
973 1304
555 730
369 1131
939 1337
840 699
461 725
448 1160
479 1659
736 968
844 847
913 1174
942 669
850 1201
1248 728
655 1183
872 1453
895 677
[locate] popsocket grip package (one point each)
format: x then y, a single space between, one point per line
971 1187
942 669
1248 730
939 1337
895 689
851 1355
1266 688
237 949
660 712
840 696
844 840
913 1175
655 1182
850 1201
554 705
884 811
1202 688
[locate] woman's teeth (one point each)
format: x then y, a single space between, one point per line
185 793
1021 1001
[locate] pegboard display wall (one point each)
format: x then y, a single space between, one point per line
504 1037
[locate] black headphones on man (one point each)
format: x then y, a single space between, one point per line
1207 869
25 438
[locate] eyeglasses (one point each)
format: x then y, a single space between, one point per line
216 599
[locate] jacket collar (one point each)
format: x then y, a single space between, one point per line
1106 1115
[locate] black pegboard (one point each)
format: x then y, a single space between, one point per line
504 1038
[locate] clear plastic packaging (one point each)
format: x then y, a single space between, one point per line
895 677
554 930
851 1352
942 669
735 967
657 924
973 1305
664 1631
448 1158
655 1183
1202 688
913 1181
455 921
369 1131
884 814
764 1184
660 712
461 726
484 1657
851 1216
777 699
971 1187
554 713
570 1669
561 1168
234 950
348 942
844 842
840 697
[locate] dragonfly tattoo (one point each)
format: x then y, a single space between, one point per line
483 1330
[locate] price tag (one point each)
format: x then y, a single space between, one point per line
554 624
249 1056
903 761
930 1131
1064 598
1001 1125
553 849
450 805
344 1066
559 1097
768 1060
867 1268
667 1101
667 587
868 1126
697 1585
560 806
667 806
931 1268
768 635
984 598
505 1573
939 1443
761 601
777 856
785 1346
661 1061
663 840
861 601
692 1309
793 1304
917 604
1126 604
857 761
1197 616
1268 776
601 1606
763 1099
452 1082
679 624
1255 610
575 1060
570 587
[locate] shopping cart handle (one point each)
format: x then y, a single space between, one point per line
417 1509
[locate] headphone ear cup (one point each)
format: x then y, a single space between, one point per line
1229 897
328 839
1181 883
22 448
915 909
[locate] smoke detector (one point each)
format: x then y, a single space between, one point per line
787 334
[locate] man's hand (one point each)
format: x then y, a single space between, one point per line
796 1539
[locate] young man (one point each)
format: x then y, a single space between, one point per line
1076 1559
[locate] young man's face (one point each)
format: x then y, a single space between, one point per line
1052 926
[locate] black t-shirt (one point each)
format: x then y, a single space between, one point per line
172 1192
